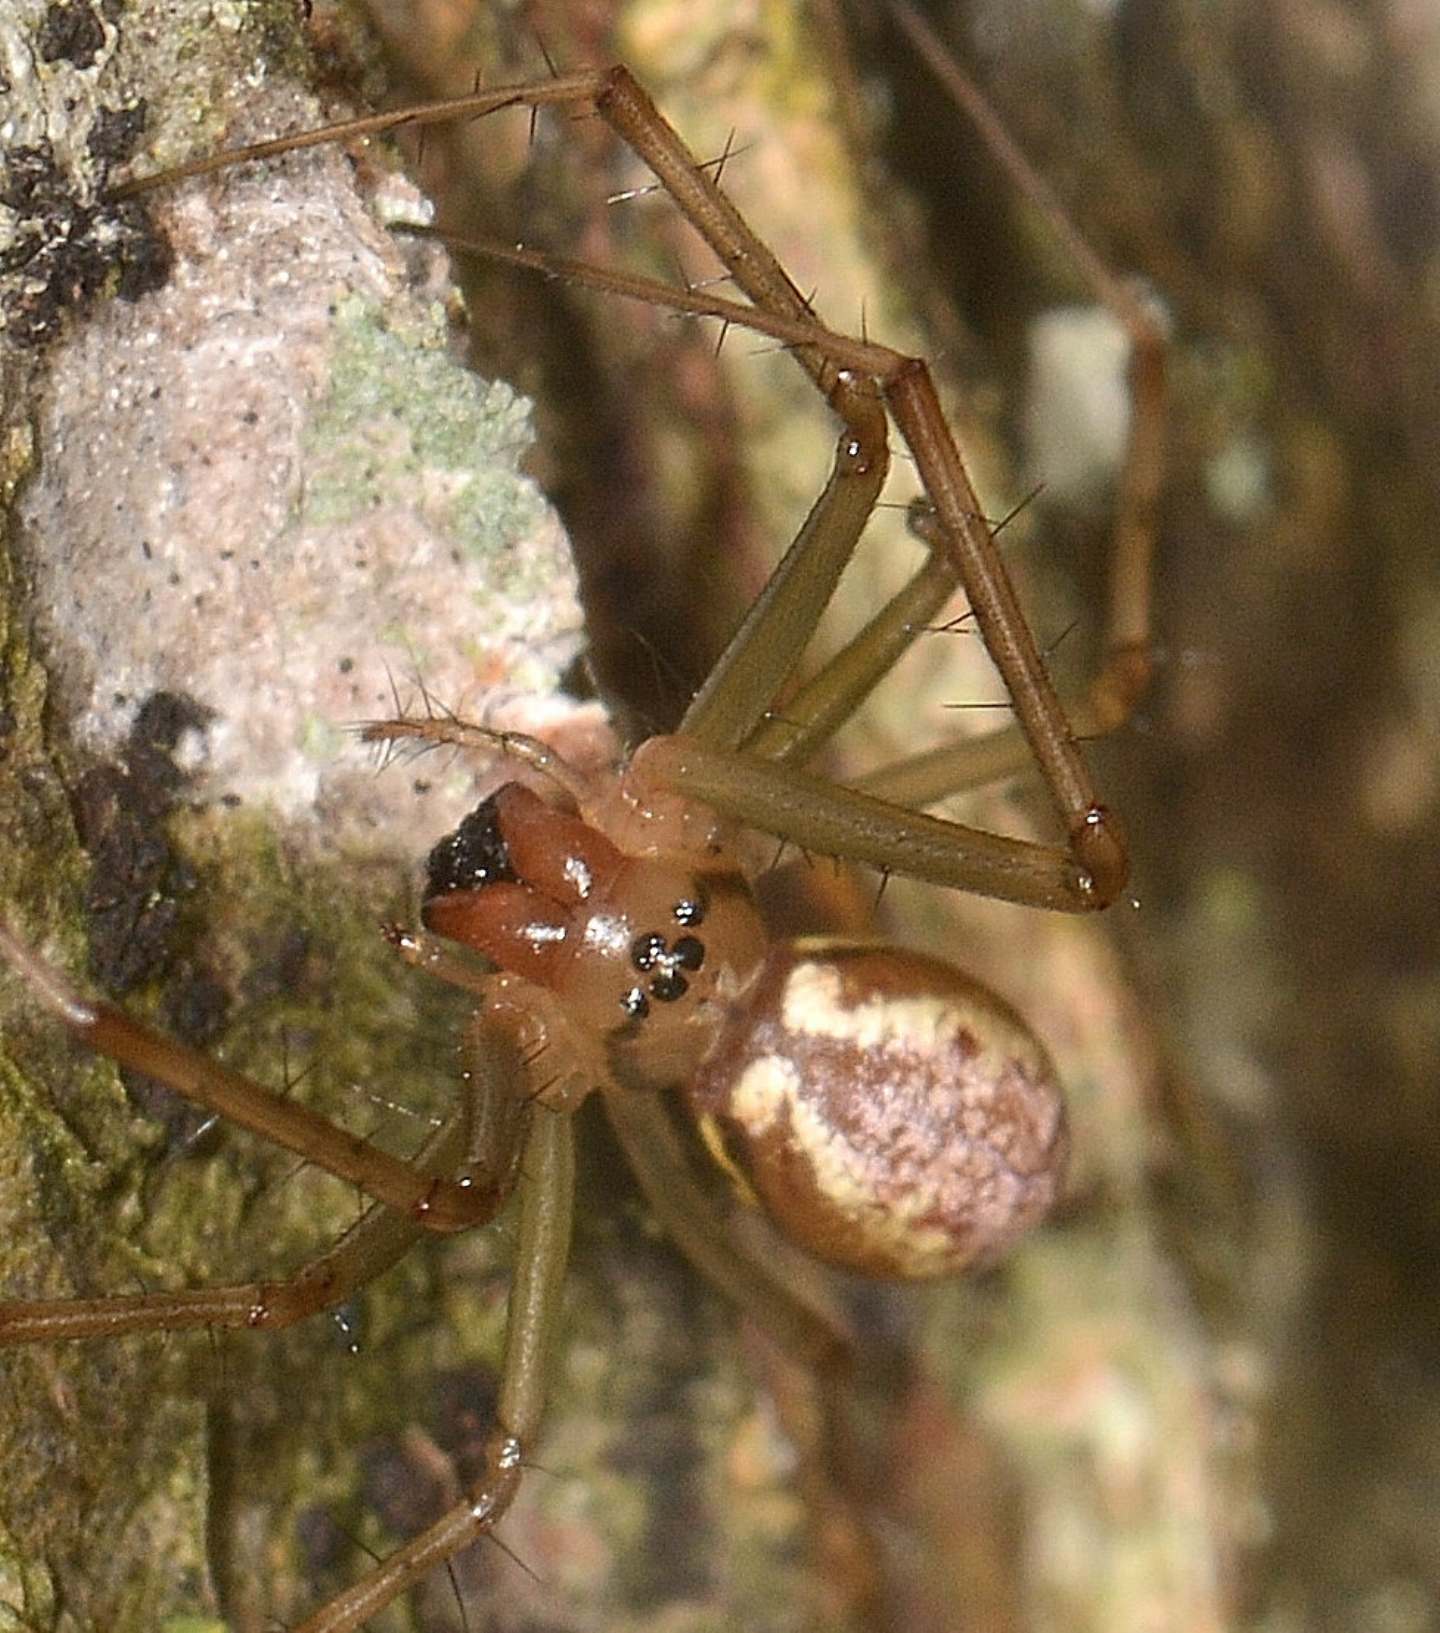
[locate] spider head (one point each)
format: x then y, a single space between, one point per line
640 947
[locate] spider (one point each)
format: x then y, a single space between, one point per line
626 953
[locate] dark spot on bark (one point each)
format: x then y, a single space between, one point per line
279 965
195 1008
116 132
68 251
136 879
408 1479
70 32
136 892
406 1491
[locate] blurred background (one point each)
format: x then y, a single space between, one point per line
1245 1427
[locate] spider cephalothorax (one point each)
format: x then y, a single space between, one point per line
637 956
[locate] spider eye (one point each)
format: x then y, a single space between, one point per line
653 955
668 986
646 951
635 1004
690 911
653 952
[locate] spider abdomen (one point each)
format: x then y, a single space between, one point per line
892 1115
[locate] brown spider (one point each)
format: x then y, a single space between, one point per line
885 1111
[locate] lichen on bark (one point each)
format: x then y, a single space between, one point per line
186 642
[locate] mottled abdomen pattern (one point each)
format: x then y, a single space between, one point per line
891 1114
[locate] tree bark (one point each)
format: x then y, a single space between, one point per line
251 500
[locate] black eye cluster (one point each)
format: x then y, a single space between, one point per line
474 855
665 961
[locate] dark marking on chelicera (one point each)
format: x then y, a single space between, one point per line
473 856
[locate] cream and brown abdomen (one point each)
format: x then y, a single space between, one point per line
892 1115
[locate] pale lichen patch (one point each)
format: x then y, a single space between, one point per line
270 488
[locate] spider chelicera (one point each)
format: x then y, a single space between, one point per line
887 1112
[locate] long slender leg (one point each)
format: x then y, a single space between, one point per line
827 700
910 395
482 1131
377 1240
1126 663
813 1332
956 768
795 1310
546 1205
952 768
773 635
829 820
436 1202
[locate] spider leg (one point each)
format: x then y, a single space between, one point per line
377 1240
741 688
803 1321
829 820
547 1183
435 1201
1126 663
1126 667
860 380
482 1132
808 719
781 1293
956 768
434 730
908 392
